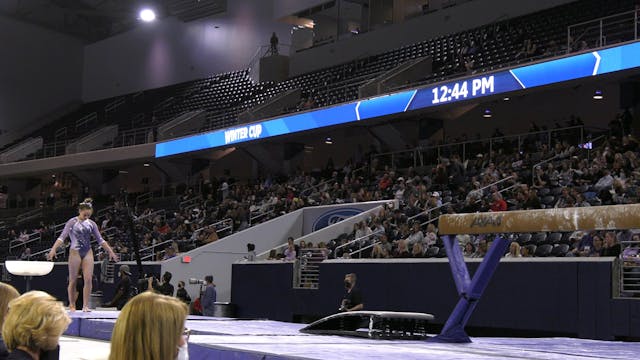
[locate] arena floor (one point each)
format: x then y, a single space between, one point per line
221 338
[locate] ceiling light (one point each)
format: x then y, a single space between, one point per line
598 95
328 141
487 113
506 98
146 164
147 15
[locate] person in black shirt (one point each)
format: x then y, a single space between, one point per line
182 293
123 289
165 287
611 246
352 300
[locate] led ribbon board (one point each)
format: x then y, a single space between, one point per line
545 73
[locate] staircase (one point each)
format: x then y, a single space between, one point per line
308 269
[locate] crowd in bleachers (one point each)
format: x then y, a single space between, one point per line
574 177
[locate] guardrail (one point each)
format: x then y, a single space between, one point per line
152 248
220 226
33 237
255 215
419 154
358 240
29 215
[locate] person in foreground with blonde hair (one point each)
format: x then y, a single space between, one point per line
150 327
33 326
7 293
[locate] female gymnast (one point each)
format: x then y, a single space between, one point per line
80 229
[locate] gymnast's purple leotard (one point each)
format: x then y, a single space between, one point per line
80 233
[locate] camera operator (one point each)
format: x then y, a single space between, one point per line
182 293
208 296
352 300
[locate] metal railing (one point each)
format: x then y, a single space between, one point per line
325 182
33 237
612 29
559 156
29 215
144 198
358 240
628 266
359 251
190 203
220 226
254 216
152 248
428 211
152 215
416 157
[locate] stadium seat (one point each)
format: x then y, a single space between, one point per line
554 238
560 250
432 252
539 238
524 239
543 250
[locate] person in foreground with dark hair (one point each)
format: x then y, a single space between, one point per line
209 296
80 229
352 300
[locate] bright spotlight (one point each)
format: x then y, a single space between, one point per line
147 15
598 95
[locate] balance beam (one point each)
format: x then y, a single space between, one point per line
610 217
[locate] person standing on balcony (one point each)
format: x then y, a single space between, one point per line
81 229
273 50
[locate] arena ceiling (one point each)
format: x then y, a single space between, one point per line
94 20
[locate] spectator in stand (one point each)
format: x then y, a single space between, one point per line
598 246
26 254
169 253
151 327
209 296
417 251
611 246
498 203
385 182
182 293
431 235
514 250
7 293
401 250
290 253
469 250
416 236
584 246
33 326
482 249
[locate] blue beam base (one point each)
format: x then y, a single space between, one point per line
470 291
